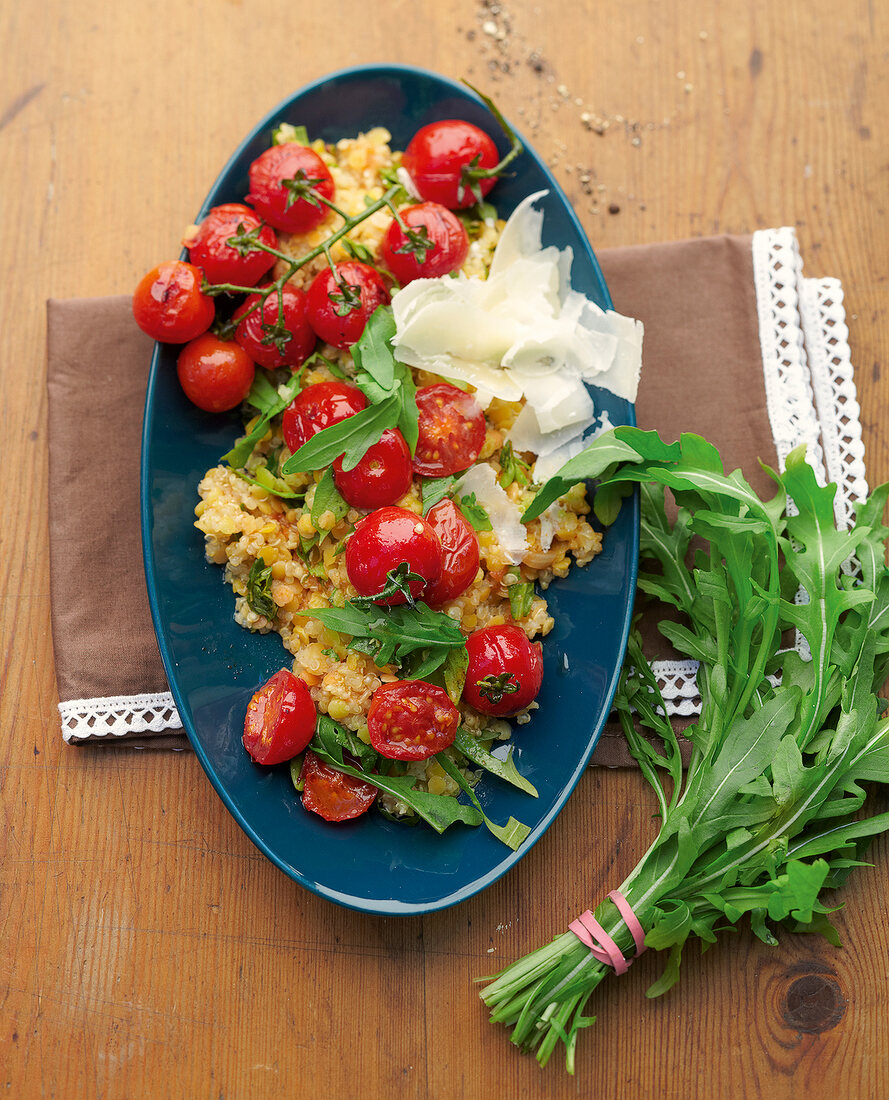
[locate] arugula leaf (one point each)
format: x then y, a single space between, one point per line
521 596
327 499
373 351
506 770
350 438
259 590
475 513
512 834
438 810
391 635
269 402
433 490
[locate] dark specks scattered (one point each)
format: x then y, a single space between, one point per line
755 62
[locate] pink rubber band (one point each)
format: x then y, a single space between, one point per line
601 945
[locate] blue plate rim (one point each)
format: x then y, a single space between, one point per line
379 907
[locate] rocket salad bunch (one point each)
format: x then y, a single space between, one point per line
767 814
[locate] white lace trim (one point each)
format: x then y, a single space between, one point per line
810 395
118 716
811 398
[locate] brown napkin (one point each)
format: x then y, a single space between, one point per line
702 372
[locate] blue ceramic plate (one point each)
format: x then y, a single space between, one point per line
214 666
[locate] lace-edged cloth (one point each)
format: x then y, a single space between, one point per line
703 319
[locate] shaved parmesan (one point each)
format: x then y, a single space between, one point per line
522 333
505 516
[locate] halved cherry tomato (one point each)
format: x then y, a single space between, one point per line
411 720
316 407
332 794
222 263
384 540
505 670
280 719
459 544
254 329
340 304
452 430
276 178
437 155
168 303
381 477
435 243
215 374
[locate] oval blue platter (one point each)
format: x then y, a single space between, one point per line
214 666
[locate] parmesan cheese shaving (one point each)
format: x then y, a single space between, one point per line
505 516
521 333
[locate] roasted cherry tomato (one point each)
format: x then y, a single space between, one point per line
505 670
435 243
381 477
253 330
452 430
437 155
222 263
168 303
277 178
459 544
316 407
411 720
215 374
340 304
384 540
280 719
332 794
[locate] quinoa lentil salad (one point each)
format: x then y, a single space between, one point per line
294 536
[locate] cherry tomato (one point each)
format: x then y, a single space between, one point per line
316 407
459 544
452 430
411 720
437 154
408 259
280 719
222 263
215 374
385 539
340 305
281 205
382 476
168 303
250 333
332 794
505 670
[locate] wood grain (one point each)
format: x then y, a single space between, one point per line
148 950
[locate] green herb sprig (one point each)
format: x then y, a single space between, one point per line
767 814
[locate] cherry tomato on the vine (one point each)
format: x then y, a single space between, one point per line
168 303
381 477
452 430
437 155
280 719
251 334
434 243
411 720
383 541
215 374
282 180
341 303
222 263
317 407
332 794
459 544
505 670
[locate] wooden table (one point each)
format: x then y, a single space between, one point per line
148 949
